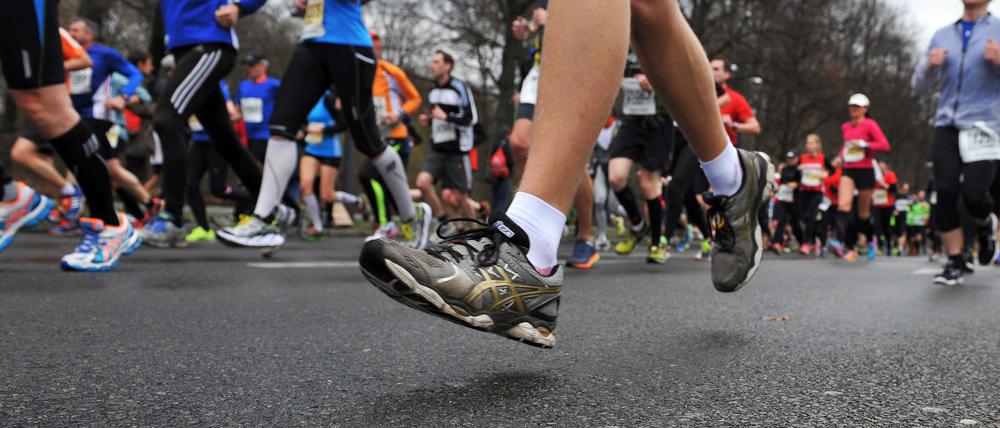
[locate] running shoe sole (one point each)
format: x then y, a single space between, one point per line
948 282
263 241
983 261
32 218
395 282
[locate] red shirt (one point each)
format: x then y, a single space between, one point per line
868 131
882 197
738 109
812 168
830 186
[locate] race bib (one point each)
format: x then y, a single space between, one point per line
194 124
812 175
853 152
635 101
880 197
315 137
79 81
529 87
253 110
902 205
785 193
443 131
979 143
113 134
313 21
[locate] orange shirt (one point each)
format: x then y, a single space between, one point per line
394 90
70 49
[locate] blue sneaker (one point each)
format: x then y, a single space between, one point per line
686 239
102 245
584 256
161 232
872 249
29 208
836 246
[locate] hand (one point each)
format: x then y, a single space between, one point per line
234 115
300 5
227 15
516 99
438 114
861 143
134 99
314 128
727 120
390 118
992 53
116 103
424 119
644 83
937 57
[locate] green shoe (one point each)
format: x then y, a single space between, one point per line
312 234
657 254
632 238
200 234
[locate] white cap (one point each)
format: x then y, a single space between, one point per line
859 100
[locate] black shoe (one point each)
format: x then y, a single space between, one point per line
988 250
951 276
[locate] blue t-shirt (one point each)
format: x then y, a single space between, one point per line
90 88
200 136
967 33
337 22
257 103
323 145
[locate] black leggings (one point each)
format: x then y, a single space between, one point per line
954 180
788 214
687 181
313 69
193 88
883 226
808 202
203 159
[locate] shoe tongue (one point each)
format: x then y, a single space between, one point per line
511 230
92 224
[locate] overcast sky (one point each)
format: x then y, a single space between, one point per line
930 15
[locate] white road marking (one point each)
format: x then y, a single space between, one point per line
927 271
302 265
968 422
934 410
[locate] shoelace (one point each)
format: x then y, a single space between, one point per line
490 253
90 241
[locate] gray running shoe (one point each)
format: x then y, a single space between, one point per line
478 278
738 245
414 233
251 232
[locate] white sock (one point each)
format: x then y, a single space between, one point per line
312 208
279 165
724 173
67 189
390 167
543 224
347 198
10 191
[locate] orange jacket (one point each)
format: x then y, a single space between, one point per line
399 95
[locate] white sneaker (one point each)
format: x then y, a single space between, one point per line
102 245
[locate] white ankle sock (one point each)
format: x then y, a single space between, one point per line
724 173
10 191
543 224
279 165
347 198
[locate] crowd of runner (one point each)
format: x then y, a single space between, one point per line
150 139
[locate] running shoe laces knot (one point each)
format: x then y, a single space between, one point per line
90 241
488 255
725 237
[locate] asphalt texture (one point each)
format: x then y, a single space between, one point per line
212 336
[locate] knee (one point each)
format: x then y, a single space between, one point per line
617 181
646 9
519 145
425 181
22 151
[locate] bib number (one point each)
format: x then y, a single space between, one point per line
853 152
785 193
313 21
315 137
253 110
79 81
880 197
443 131
529 88
812 175
635 101
979 143
902 205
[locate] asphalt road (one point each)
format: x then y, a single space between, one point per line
210 336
